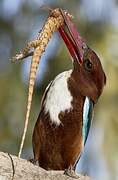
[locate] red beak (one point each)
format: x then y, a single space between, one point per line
75 44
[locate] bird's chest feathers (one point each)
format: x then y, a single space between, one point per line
58 98
76 112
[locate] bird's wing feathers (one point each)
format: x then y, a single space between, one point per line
87 117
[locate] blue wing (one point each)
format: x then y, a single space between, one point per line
87 117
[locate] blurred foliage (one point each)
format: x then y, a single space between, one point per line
20 20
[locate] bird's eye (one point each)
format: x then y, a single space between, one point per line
88 65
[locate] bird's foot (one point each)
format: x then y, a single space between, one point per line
34 161
70 172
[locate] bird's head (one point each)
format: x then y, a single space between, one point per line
88 73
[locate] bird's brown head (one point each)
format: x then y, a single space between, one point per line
88 74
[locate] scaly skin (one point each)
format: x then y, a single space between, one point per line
54 21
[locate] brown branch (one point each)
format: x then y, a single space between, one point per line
25 170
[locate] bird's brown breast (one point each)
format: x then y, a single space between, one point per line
59 146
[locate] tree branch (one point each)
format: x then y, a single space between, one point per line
14 168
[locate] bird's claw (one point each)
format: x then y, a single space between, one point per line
70 172
34 161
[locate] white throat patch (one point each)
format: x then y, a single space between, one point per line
58 97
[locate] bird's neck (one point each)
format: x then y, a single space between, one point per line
74 85
77 98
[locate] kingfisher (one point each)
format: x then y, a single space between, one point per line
67 106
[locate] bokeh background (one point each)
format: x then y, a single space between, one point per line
97 21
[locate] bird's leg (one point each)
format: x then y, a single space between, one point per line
71 172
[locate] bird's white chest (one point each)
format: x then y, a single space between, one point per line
58 98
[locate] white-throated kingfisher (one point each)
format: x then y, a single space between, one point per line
62 127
